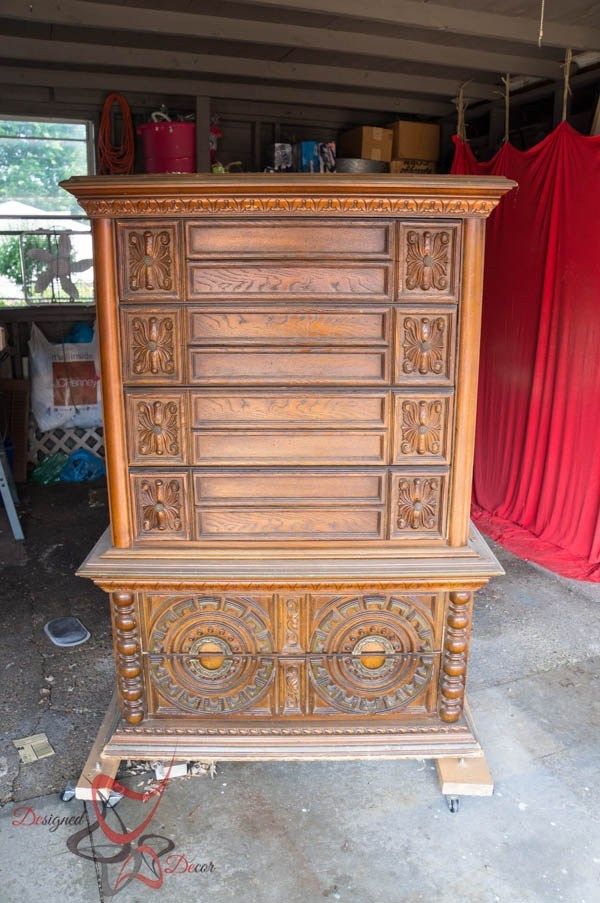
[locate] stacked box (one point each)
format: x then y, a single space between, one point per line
367 143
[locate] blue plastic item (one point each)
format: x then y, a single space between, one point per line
81 466
81 332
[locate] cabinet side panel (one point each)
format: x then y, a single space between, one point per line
466 380
112 397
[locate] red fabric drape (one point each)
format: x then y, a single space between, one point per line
537 455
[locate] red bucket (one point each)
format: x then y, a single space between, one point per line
168 146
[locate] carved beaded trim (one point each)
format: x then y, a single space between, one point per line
293 205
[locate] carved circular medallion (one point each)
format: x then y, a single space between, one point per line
371 654
215 653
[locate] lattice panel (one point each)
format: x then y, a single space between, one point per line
42 445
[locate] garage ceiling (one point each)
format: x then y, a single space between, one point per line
402 56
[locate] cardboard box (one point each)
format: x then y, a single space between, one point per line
414 166
366 142
415 140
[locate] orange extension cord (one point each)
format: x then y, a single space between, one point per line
112 159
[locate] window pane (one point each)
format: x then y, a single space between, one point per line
17 127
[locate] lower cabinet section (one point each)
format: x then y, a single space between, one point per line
255 654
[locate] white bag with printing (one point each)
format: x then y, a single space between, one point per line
65 382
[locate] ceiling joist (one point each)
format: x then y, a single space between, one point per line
68 52
450 19
169 22
121 81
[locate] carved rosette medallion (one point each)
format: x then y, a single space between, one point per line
212 654
418 503
150 256
152 346
161 505
427 264
424 346
421 427
371 654
157 432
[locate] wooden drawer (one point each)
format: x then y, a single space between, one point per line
425 342
265 281
306 366
296 487
274 238
290 653
301 447
296 523
288 409
280 325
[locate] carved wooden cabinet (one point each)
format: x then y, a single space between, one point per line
289 368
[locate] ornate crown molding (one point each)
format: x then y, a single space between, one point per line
312 206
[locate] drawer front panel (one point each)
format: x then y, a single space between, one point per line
344 326
316 447
425 347
282 238
373 653
296 488
271 365
422 428
266 281
289 523
289 410
253 653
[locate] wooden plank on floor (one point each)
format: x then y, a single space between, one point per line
464 776
96 762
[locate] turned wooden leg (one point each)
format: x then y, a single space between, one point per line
454 659
130 682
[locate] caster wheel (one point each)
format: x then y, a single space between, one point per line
68 793
453 803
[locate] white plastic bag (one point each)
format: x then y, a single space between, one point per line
65 382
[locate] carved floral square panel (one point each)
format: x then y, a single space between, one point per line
422 428
418 504
428 261
156 424
149 261
152 345
160 506
425 343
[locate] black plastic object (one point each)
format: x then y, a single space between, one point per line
67 631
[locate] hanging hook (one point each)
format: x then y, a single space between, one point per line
461 105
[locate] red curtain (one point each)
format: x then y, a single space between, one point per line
537 456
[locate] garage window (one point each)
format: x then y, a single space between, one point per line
45 240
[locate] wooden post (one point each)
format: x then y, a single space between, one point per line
202 127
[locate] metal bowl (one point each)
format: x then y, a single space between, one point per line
356 164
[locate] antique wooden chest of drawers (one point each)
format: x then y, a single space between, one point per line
289 369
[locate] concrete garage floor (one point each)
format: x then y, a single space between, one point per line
285 833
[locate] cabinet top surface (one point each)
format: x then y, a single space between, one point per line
176 190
